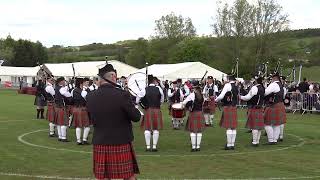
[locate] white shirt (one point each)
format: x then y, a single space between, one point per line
143 93
83 93
190 97
272 88
171 93
93 87
226 88
186 88
49 89
214 87
253 91
65 92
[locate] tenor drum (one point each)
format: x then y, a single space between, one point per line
177 110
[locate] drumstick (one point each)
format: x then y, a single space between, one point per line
137 85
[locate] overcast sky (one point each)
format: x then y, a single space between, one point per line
78 22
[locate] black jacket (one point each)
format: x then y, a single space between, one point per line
112 111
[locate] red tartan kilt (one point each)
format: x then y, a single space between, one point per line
255 119
152 119
209 107
60 116
229 117
195 122
80 117
275 115
50 112
114 161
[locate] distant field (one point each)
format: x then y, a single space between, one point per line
26 151
311 73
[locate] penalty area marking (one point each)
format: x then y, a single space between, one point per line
302 142
77 178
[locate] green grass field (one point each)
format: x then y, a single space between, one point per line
40 157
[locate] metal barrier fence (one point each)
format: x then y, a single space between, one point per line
293 101
310 102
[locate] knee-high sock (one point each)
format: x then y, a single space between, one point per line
234 135
86 133
211 117
276 133
78 134
281 131
193 140
174 122
155 138
206 118
51 128
199 137
269 131
258 137
64 132
59 131
229 137
147 136
255 136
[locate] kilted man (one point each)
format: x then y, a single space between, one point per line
62 95
80 113
112 111
152 121
40 99
228 97
50 104
255 121
175 95
196 122
275 113
209 106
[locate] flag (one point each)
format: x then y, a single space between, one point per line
1 62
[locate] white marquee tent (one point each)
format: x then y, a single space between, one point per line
14 74
185 71
87 69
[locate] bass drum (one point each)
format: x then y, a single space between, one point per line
137 84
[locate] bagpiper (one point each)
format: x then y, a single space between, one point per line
80 113
152 121
209 106
275 114
196 122
255 100
62 96
50 105
229 119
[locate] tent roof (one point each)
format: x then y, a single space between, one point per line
187 70
18 71
89 68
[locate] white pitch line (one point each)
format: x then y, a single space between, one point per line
20 138
12 121
78 178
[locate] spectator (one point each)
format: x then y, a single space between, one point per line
303 86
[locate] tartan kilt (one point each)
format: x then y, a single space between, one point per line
275 115
209 107
195 122
229 117
69 109
255 119
40 101
114 161
50 112
80 117
60 116
152 119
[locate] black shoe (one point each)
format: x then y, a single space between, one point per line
198 149
232 148
227 148
280 140
270 143
193 150
148 150
154 150
249 131
85 143
79 143
59 139
65 140
52 135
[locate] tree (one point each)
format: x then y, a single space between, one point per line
138 53
175 27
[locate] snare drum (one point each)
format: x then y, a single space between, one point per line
177 110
